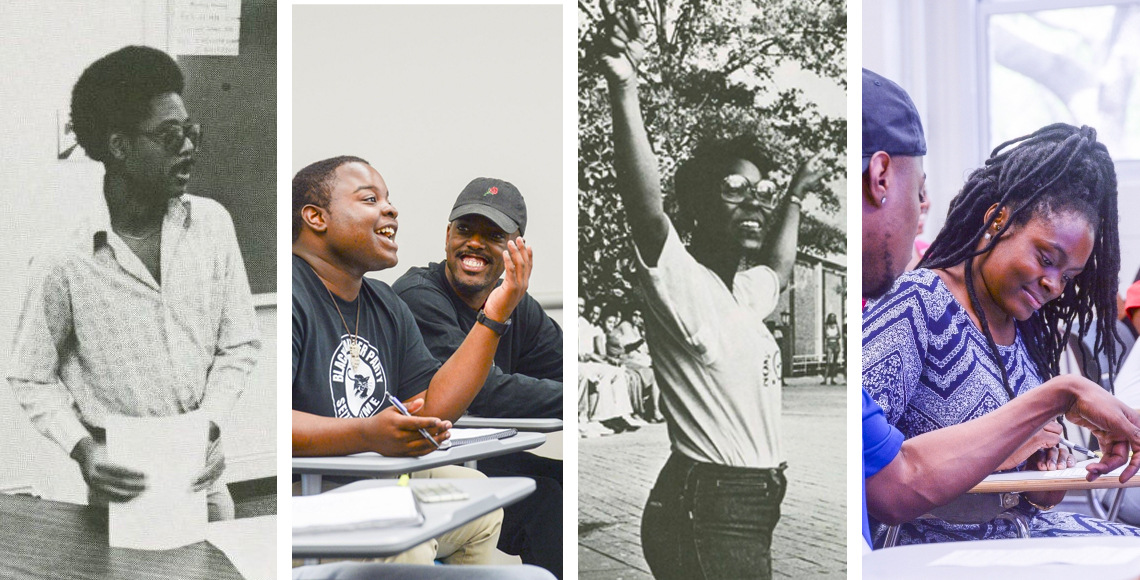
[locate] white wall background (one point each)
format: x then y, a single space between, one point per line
930 47
432 97
45 47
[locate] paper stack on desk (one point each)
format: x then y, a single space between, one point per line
171 453
375 507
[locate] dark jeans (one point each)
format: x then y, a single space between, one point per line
711 522
532 528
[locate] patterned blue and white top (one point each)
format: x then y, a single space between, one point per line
929 367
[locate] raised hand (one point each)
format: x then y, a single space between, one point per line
808 176
621 45
518 259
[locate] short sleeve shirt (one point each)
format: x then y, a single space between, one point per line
392 360
717 364
881 443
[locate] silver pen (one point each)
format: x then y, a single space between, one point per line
400 406
1080 448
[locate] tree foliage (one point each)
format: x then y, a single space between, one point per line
708 74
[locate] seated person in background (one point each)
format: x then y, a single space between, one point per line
110 326
356 344
447 299
625 347
603 389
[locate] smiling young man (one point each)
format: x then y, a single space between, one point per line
446 296
526 380
147 313
356 345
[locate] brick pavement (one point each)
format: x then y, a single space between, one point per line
616 472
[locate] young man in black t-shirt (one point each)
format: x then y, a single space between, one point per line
356 345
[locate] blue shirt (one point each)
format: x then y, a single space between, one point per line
881 443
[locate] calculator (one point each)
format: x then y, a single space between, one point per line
434 492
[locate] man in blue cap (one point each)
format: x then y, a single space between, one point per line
904 479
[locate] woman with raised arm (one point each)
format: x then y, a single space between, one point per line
715 503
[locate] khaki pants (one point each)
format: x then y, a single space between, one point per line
473 543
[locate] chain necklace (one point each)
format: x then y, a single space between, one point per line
354 346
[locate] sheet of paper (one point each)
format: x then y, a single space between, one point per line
206 27
352 510
249 543
1086 556
1078 471
171 453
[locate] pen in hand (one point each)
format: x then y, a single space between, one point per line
1080 448
400 407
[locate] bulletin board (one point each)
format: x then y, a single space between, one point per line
235 100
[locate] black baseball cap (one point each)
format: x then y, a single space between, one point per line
495 199
890 120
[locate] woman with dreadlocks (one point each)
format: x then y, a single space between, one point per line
1030 250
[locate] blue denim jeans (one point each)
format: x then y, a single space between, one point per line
711 522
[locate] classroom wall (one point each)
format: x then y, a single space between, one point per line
434 96
46 47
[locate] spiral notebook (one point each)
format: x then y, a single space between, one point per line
467 436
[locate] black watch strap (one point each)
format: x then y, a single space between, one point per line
498 328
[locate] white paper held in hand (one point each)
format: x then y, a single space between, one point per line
171 452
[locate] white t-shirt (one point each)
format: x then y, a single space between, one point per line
717 365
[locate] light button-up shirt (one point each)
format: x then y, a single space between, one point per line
99 335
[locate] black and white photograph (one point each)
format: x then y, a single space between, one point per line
138 303
712 289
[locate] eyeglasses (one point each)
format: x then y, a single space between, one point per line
173 137
736 188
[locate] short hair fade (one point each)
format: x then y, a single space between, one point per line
313 185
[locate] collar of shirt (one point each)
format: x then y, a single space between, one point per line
98 228
98 231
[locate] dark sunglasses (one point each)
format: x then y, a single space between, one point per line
736 188
173 137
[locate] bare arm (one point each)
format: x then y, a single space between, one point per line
387 432
936 467
783 239
635 165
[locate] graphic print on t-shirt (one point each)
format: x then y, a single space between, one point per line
772 370
360 393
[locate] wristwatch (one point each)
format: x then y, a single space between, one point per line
498 328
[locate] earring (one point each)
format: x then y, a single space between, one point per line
884 200
987 236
